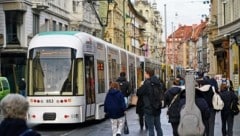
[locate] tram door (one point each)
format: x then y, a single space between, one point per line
90 85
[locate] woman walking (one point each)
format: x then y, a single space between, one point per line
115 107
227 115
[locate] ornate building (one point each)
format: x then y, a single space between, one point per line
153 45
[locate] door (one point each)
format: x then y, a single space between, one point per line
90 85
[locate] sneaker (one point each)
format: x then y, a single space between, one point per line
118 135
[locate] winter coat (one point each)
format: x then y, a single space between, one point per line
126 91
146 93
140 103
207 93
169 95
15 127
227 97
114 105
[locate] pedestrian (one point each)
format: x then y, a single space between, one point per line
140 109
226 114
22 87
204 108
152 115
230 84
124 86
171 100
207 93
14 108
115 107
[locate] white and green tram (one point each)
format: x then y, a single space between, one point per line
69 74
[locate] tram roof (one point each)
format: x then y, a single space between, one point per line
58 33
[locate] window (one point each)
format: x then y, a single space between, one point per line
54 25
66 27
101 79
74 6
80 77
46 24
60 26
35 24
14 20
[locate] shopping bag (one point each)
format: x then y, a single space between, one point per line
125 128
134 99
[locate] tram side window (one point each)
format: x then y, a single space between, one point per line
100 76
113 71
132 76
80 77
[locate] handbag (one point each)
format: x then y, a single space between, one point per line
217 102
134 99
125 128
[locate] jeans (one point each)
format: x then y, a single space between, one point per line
227 124
153 121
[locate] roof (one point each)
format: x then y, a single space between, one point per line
184 32
198 30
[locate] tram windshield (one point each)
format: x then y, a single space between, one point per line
50 71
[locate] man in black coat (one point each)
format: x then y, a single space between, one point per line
152 115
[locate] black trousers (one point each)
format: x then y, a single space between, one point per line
227 124
175 128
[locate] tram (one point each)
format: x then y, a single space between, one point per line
69 73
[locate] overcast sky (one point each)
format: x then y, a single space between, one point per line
185 12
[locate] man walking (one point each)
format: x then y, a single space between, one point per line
124 86
152 115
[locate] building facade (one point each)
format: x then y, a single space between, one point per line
180 50
83 17
153 44
226 42
20 20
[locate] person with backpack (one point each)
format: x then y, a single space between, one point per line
227 115
152 108
140 109
124 86
114 107
172 98
14 108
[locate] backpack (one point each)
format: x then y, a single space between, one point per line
217 102
124 87
234 107
157 96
